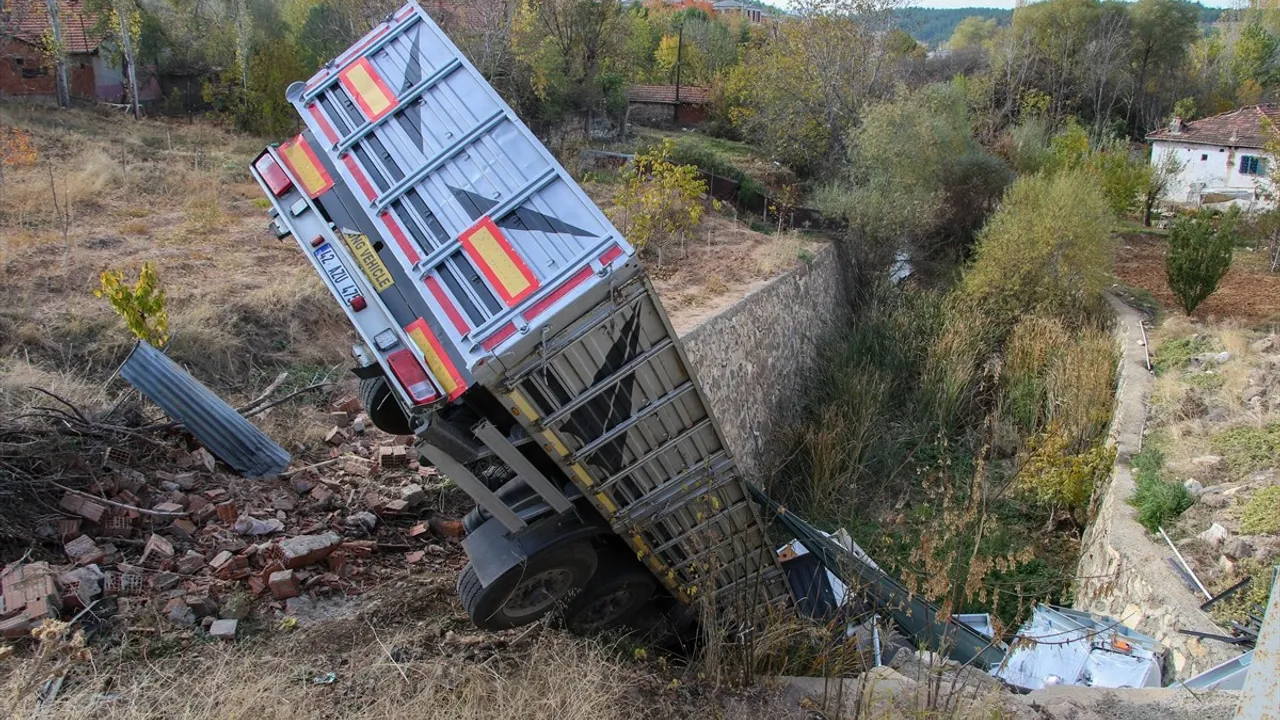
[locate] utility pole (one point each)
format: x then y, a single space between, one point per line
675 109
59 57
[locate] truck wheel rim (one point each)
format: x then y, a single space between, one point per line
536 593
607 608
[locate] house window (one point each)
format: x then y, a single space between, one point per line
30 73
1204 157
1252 165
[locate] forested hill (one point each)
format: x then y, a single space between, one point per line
933 26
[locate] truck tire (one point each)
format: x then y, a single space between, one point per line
527 592
615 596
383 410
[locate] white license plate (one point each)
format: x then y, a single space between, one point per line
338 275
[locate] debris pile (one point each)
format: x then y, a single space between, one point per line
200 547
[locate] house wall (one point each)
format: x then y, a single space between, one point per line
110 80
659 114
16 56
1208 168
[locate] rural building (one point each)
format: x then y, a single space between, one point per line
685 105
26 70
736 7
1222 159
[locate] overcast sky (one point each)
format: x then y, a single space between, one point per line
1009 3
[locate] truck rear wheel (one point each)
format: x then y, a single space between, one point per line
383 410
527 592
615 595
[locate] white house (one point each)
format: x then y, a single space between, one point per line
1221 159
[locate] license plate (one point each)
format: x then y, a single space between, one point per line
338 275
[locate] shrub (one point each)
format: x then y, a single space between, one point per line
1200 248
1122 177
1046 250
1174 354
661 199
142 305
1262 514
1058 476
972 188
1158 500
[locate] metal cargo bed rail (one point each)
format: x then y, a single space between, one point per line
612 400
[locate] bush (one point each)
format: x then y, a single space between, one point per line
1122 177
1248 448
661 199
972 188
1200 248
1046 250
1262 514
1158 500
1174 354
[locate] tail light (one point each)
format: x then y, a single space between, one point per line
273 175
412 376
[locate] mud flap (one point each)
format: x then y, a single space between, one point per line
493 551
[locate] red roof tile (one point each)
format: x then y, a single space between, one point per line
666 94
1242 127
28 20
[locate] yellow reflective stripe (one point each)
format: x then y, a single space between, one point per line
300 159
368 90
582 474
494 256
443 372
523 406
555 443
607 503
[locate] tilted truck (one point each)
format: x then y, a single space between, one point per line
507 325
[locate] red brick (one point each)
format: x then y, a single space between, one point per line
227 512
320 493
337 561
68 528
184 528
357 466
257 584
350 405
414 557
83 550
15 627
117 524
304 550
168 507
158 546
116 457
283 585
335 436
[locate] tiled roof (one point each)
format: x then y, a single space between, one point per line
666 94
28 20
1242 127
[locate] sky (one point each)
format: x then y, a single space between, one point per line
1009 3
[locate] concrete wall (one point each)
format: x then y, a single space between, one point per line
754 358
1123 571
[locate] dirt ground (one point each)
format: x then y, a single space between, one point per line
1249 292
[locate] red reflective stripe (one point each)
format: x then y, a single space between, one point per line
499 337
449 308
546 302
610 255
410 253
323 122
404 13
350 161
317 79
342 59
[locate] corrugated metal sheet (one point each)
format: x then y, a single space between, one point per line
226 434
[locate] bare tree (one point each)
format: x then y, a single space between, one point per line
1108 57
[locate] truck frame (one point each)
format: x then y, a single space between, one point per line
508 325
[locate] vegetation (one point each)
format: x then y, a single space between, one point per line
1200 249
661 200
1175 353
141 306
1247 448
1158 500
1262 513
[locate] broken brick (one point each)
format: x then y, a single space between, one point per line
205 458
395 507
116 457
283 585
302 485
337 561
165 581
350 405
257 584
414 557
190 563
117 524
15 627
428 471
281 501
168 507
357 466
67 528
360 548
186 480
227 512
335 436
201 605
340 419
124 584
215 493
83 550
157 545
321 494
392 457
303 550
220 560
183 528
179 612
419 529
84 507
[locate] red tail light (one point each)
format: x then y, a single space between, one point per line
358 303
273 174
412 377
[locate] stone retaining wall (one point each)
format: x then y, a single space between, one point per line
754 358
1123 571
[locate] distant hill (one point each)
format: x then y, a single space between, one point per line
934 26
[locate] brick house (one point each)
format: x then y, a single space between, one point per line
26 70
667 105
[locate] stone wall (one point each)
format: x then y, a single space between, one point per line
754 358
1123 571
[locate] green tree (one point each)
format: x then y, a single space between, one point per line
1047 249
1163 31
1200 248
1122 177
972 32
1255 55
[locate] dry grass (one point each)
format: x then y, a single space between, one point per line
556 677
242 304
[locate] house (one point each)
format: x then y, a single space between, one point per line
752 13
683 105
1221 159
26 70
